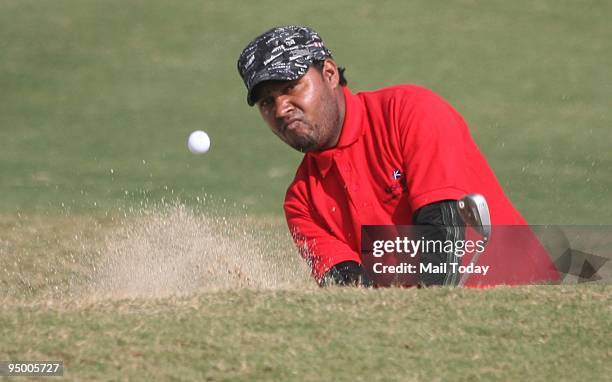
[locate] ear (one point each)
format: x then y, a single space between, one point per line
330 73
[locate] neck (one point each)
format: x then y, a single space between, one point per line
341 102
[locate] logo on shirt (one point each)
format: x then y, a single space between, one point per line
397 187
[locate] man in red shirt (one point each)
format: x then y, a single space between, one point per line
396 156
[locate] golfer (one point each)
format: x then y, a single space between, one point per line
395 156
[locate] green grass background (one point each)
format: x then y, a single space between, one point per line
352 335
97 99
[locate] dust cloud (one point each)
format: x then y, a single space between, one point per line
174 250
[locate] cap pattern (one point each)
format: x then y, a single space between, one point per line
282 53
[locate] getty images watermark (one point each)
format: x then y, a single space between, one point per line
504 255
407 247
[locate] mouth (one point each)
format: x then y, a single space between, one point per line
292 124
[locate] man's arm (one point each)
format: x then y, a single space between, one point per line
323 251
440 221
436 150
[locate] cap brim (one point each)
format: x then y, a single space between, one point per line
266 75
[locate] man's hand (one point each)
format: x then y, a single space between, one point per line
347 273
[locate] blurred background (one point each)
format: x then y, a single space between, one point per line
97 98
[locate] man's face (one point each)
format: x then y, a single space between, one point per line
307 114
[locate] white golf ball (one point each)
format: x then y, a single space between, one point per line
198 142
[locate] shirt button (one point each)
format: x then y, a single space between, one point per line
355 188
365 204
333 209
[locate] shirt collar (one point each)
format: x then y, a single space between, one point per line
352 130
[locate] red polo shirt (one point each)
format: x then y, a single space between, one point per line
401 148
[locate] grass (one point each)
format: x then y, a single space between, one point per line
53 309
403 335
96 104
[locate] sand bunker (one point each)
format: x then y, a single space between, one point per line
175 250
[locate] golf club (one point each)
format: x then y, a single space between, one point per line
474 210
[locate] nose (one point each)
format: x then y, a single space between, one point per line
283 106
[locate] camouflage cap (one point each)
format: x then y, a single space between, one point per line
282 53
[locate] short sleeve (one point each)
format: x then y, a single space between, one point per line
434 143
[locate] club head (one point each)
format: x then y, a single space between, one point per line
475 213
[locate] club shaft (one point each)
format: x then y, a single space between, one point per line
466 275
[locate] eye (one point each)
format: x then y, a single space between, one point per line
265 102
